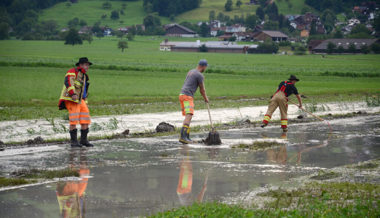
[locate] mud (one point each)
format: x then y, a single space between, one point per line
165 127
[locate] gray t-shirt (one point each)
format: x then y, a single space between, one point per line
192 81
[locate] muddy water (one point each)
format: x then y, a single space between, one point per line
137 177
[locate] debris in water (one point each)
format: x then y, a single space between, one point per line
165 127
37 140
126 132
213 138
300 117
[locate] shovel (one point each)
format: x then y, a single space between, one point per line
213 136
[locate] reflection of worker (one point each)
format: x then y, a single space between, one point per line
70 194
185 182
194 79
280 99
278 155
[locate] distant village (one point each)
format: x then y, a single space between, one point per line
230 36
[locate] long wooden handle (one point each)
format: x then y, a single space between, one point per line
209 115
319 118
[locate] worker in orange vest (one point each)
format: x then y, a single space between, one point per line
74 99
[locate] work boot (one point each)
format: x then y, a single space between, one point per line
74 138
83 138
185 131
264 125
285 129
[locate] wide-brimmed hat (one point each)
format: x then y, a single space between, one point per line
82 61
292 77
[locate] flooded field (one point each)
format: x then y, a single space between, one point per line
138 177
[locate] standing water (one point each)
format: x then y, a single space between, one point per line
142 176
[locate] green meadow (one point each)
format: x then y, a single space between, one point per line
32 75
91 11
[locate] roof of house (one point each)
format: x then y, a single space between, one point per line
273 33
210 44
345 43
179 26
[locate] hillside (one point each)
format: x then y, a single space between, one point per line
202 13
91 11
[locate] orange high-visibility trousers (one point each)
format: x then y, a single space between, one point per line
78 113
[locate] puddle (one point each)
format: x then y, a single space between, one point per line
142 176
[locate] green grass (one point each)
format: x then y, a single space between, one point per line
91 11
33 72
4 182
46 174
321 200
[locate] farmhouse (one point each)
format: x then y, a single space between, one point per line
179 31
321 48
212 46
275 36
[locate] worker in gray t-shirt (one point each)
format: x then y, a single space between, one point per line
194 79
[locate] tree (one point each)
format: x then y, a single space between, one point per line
360 28
251 21
271 25
4 29
211 16
87 37
228 5
260 13
73 38
130 37
328 19
351 48
122 45
300 50
267 47
123 6
338 34
151 21
376 24
115 15
272 11
375 47
340 49
203 48
313 28
82 23
119 34
238 3
73 23
365 49
204 30
331 48
107 5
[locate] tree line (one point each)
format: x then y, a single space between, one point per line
169 8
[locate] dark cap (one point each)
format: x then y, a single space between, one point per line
82 61
203 62
292 77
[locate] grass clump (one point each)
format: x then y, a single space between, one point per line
4 182
367 166
325 175
258 145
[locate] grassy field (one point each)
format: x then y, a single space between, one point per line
91 11
33 72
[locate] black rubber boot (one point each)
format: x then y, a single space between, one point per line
74 138
83 138
185 135
285 130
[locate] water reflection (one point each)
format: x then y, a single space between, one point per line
185 182
71 193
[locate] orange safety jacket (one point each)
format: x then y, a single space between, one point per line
76 82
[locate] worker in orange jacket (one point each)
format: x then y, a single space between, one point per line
73 98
